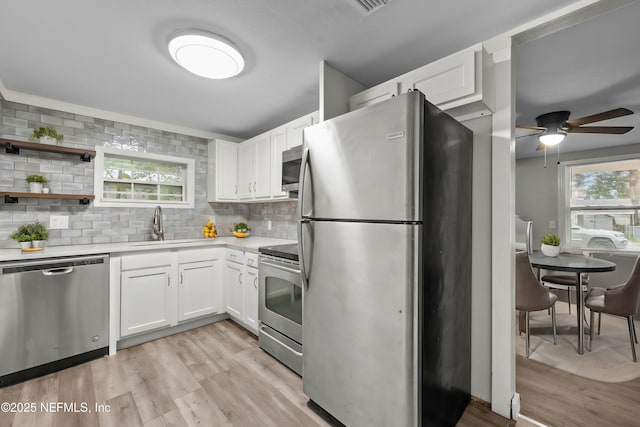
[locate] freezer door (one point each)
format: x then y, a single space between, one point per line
360 335
365 165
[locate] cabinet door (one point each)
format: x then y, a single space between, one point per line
278 145
246 156
251 299
148 300
198 289
262 167
226 171
295 128
234 289
373 95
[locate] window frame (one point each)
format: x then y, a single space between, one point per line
564 196
98 179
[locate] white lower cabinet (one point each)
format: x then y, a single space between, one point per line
148 300
241 282
162 288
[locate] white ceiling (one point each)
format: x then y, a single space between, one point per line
112 55
591 67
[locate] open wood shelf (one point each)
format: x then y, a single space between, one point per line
13 196
13 147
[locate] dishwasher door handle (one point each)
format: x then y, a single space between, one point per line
57 271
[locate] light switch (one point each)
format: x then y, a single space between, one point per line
58 222
552 224
268 224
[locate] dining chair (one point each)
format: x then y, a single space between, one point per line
565 282
532 296
621 300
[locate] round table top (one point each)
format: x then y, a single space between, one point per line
571 262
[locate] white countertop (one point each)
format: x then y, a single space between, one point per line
250 244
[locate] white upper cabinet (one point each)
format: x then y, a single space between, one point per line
460 84
295 128
222 183
278 145
374 95
254 168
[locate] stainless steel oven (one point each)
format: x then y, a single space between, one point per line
291 161
280 304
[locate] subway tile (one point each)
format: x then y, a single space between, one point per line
51 120
10 121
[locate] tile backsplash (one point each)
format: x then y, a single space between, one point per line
67 174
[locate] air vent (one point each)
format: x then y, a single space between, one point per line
369 6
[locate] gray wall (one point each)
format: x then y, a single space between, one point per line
67 174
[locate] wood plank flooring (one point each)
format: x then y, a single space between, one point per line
211 376
557 398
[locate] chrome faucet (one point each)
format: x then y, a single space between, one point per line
158 229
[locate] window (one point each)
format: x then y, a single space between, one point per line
603 200
133 179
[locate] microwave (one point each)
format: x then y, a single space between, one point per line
291 162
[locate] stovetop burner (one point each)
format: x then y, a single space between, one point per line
289 251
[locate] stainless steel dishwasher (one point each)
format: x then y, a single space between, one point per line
54 313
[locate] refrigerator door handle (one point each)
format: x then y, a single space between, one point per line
303 173
303 270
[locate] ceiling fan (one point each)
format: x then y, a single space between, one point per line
553 127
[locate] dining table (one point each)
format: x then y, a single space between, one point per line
577 264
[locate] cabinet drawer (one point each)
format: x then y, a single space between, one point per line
251 259
146 260
235 255
198 254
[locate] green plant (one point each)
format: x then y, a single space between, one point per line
48 131
241 227
551 240
37 178
38 231
29 232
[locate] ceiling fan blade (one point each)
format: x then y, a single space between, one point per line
530 127
606 115
528 135
617 130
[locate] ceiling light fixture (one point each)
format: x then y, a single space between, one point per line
205 54
552 137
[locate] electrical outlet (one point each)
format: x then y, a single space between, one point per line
268 224
552 224
58 222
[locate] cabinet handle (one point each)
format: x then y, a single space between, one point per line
168 280
232 256
249 187
255 282
240 278
236 189
181 277
254 186
250 261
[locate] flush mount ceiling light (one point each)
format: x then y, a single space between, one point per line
205 54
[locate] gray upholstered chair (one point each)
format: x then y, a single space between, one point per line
621 300
531 295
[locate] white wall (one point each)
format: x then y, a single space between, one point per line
481 263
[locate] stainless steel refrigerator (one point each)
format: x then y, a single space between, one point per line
385 254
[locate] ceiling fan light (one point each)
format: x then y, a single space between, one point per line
205 54
552 137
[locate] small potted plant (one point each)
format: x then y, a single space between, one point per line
550 245
48 135
22 236
240 229
39 234
36 182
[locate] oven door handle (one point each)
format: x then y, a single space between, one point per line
279 267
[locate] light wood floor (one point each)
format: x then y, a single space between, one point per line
557 398
211 376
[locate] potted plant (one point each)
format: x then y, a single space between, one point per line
47 135
22 236
39 234
241 229
550 245
36 182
